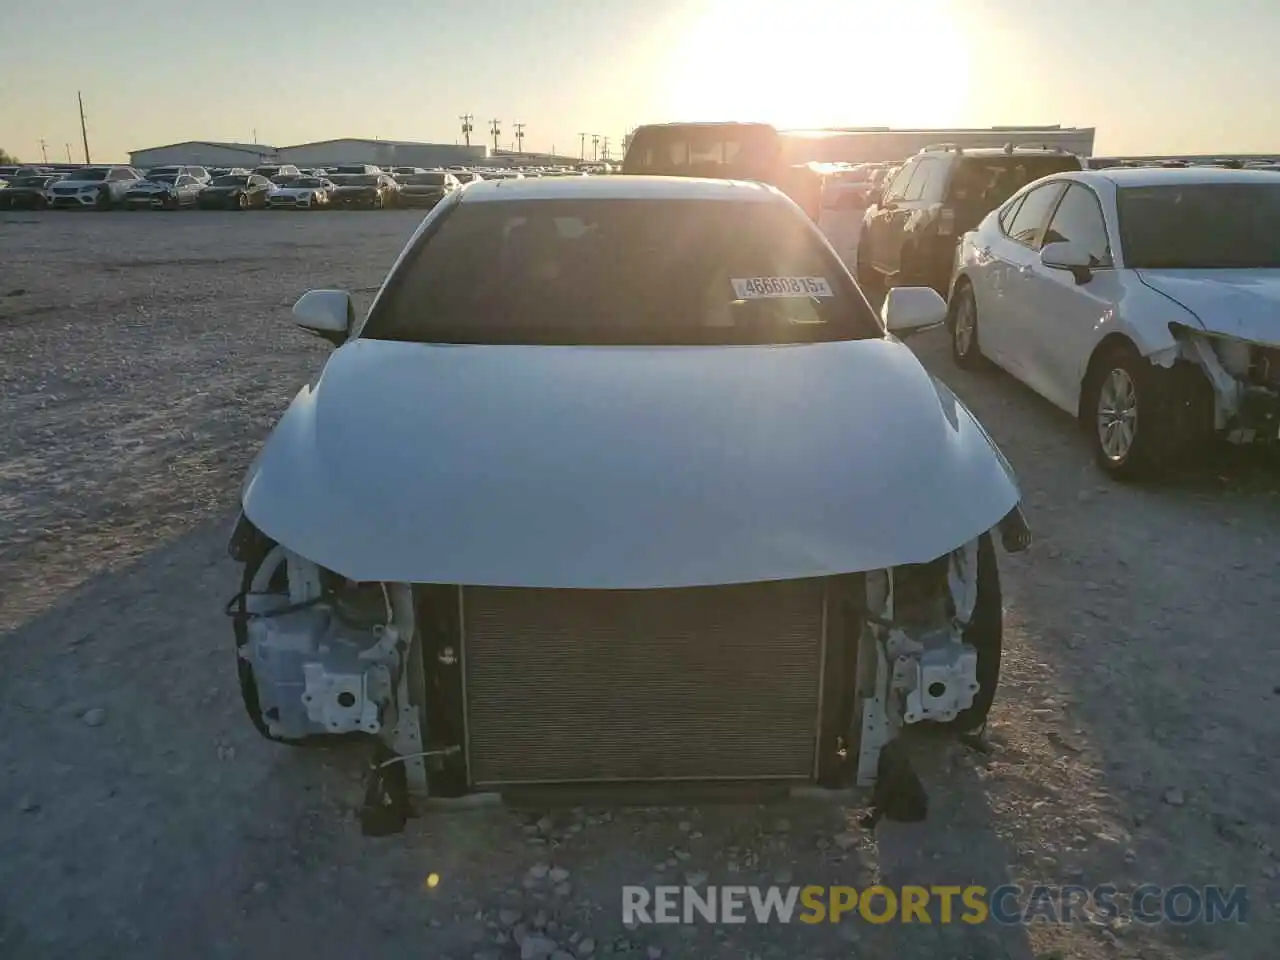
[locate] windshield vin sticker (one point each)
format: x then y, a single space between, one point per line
759 288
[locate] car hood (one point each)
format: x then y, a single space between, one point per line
624 467
224 189
355 188
1237 303
295 191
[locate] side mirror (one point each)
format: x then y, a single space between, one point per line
909 310
326 313
1068 256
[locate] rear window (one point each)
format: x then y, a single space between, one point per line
425 179
984 183
622 272
731 151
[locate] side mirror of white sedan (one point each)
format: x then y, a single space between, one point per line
326 313
1066 255
909 310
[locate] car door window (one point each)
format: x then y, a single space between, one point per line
898 186
1078 220
1008 213
1026 226
922 181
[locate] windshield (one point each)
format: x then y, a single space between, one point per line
32 181
229 182
89 175
307 182
359 180
266 171
1200 226
162 172
425 179
162 177
622 272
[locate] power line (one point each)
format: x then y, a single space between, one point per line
467 127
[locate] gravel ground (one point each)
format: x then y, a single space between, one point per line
145 356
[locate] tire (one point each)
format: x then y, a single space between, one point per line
962 323
243 201
866 274
103 201
377 202
1132 413
985 634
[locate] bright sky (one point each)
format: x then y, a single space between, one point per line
1154 76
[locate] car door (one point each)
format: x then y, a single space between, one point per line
880 217
1064 311
910 248
1002 317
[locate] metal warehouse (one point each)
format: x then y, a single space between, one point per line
205 153
383 153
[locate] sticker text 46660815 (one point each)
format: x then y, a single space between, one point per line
759 288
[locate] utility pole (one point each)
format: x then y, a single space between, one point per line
68 146
467 127
495 129
519 136
44 151
582 146
604 147
595 146
84 131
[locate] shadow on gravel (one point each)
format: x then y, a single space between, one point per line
1130 748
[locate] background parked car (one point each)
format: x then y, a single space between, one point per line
164 191
27 193
236 192
373 191
910 229
427 189
99 188
302 193
198 173
275 170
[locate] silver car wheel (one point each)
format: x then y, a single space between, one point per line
1117 414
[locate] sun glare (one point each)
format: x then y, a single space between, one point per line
801 63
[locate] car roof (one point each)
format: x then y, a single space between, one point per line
616 188
1158 176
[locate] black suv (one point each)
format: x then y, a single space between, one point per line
910 230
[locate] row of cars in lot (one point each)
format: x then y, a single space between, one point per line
274 186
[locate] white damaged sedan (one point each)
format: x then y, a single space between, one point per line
620 479
1144 301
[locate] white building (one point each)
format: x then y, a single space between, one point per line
204 153
383 153
869 145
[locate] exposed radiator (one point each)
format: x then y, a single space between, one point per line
707 683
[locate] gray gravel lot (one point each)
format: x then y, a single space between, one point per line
144 358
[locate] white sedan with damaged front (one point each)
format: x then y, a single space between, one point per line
1144 301
620 479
